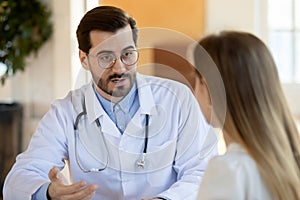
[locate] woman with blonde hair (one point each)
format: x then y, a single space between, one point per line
263 146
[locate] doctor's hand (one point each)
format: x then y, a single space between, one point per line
57 190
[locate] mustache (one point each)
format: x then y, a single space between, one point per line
123 75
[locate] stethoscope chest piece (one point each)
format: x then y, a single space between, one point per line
141 163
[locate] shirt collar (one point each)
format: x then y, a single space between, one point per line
128 100
124 104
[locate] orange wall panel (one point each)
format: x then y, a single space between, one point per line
186 16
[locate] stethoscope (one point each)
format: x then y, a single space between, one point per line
141 163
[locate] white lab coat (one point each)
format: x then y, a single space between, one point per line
179 146
233 176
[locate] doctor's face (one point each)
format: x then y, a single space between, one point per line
112 62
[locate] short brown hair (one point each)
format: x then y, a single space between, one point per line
103 18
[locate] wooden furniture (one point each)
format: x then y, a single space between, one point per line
10 137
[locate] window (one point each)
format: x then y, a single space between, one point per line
284 38
89 4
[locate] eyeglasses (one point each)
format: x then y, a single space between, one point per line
107 59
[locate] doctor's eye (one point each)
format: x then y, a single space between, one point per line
130 57
106 58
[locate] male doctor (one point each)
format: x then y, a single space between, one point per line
124 135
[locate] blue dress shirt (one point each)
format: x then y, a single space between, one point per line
122 112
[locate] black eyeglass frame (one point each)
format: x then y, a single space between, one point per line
116 58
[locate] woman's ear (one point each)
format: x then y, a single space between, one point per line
84 60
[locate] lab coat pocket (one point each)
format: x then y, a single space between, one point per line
161 178
161 160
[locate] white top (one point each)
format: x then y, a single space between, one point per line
179 147
233 176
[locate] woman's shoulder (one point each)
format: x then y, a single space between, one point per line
235 174
235 155
236 162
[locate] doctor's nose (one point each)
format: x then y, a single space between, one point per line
119 67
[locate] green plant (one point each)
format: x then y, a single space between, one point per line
24 27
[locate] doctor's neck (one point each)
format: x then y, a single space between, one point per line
114 99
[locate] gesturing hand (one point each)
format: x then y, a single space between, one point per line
57 190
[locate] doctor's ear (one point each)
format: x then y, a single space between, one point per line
84 60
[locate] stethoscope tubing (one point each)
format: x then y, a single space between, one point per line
76 149
140 163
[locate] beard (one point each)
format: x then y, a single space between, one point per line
111 87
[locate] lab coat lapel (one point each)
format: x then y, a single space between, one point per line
93 107
90 135
136 126
147 103
95 110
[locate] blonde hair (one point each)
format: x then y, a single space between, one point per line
258 116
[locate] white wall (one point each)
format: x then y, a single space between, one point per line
48 75
5 91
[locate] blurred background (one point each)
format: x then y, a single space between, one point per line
55 69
